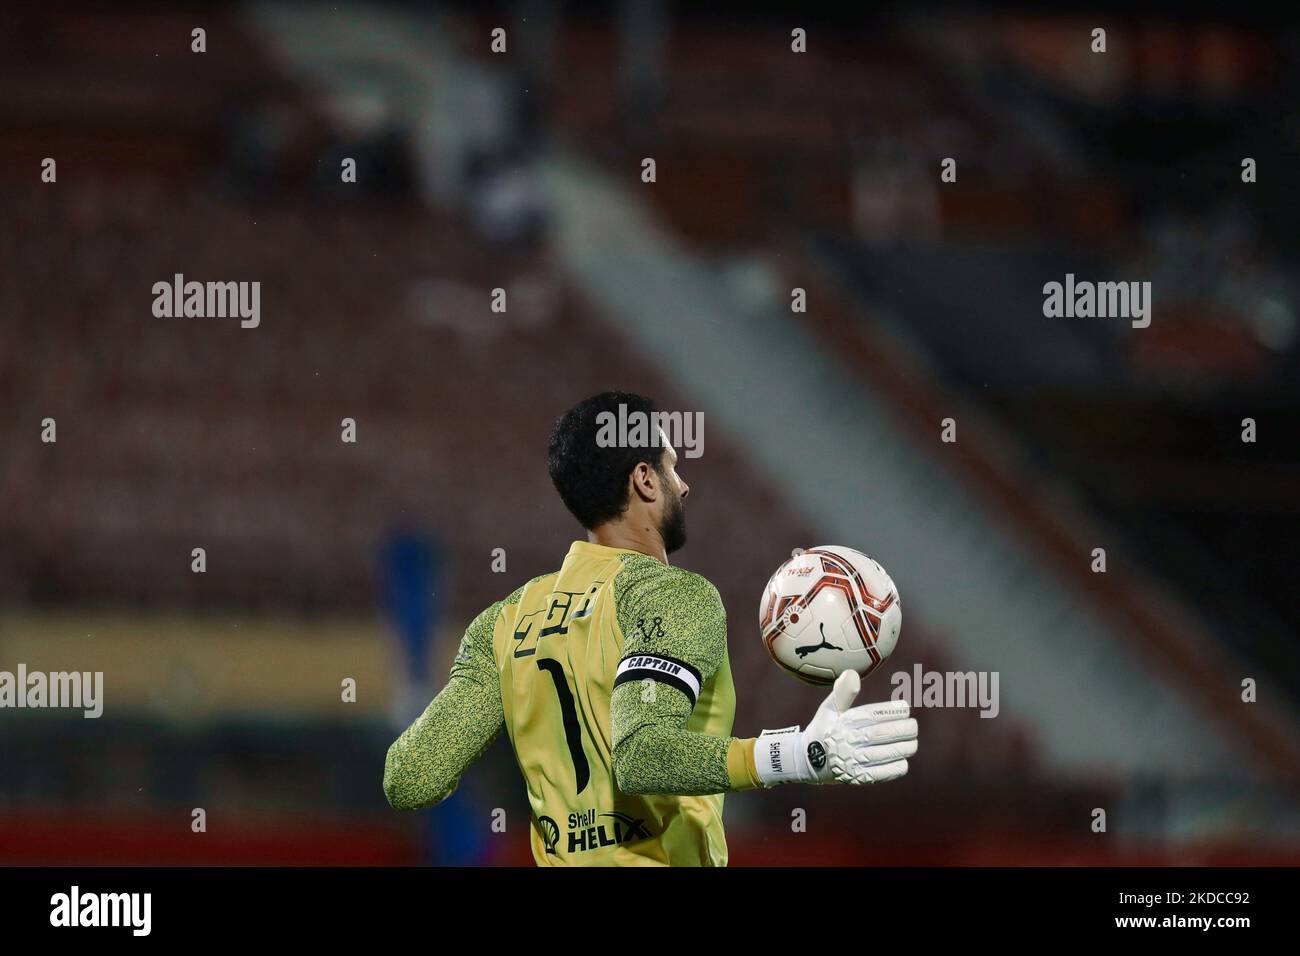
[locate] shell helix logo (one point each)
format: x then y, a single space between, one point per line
591 830
550 832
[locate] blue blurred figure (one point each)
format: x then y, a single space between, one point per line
454 833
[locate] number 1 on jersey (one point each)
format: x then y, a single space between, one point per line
569 712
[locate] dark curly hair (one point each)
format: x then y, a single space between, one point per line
591 480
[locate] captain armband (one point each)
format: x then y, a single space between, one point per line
661 668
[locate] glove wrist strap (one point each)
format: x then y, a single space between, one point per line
779 756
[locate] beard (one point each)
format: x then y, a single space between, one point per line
672 529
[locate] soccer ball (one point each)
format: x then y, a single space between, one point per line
828 610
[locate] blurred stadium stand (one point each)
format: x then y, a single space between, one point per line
175 434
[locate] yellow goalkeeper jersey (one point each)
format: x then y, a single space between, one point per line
612 679
612 644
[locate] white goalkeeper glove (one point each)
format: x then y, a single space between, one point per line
843 744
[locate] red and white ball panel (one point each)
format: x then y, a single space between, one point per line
828 610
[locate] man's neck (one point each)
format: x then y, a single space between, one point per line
622 535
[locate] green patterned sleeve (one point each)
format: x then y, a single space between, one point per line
425 763
675 639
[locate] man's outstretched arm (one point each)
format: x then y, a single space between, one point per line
675 640
870 743
425 763
660 756
660 677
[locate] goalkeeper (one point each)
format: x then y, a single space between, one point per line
612 680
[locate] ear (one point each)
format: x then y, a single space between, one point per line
645 482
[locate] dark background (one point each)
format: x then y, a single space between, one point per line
477 171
